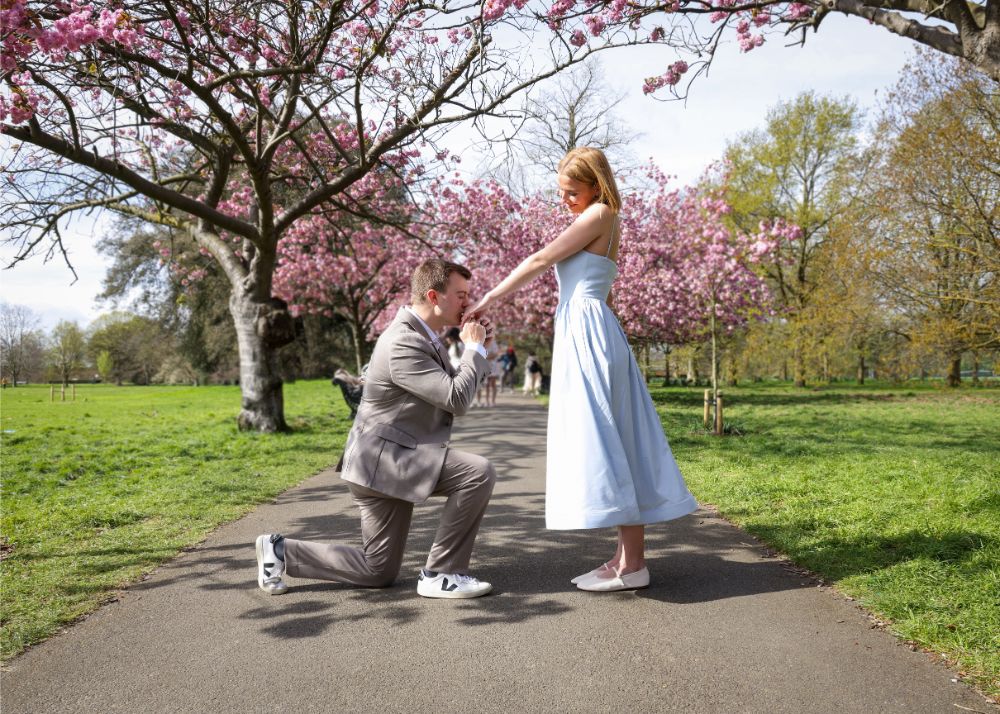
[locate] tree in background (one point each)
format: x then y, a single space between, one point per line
685 274
574 108
803 168
849 315
21 343
136 346
67 350
105 366
493 232
232 121
333 265
935 209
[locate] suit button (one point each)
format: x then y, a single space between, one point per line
447 422
444 445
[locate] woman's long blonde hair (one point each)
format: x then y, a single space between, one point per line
590 166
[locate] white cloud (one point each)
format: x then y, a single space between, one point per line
48 287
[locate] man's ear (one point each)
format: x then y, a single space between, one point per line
432 297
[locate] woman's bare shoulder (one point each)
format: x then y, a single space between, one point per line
599 213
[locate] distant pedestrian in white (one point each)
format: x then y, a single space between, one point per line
532 375
608 460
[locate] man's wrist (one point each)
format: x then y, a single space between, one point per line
477 346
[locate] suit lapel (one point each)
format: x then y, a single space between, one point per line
438 347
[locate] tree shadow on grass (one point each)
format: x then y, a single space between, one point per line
825 436
837 558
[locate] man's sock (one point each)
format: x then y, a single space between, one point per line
279 547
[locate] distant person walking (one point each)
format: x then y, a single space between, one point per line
532 375
509 363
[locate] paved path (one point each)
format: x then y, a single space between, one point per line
723 628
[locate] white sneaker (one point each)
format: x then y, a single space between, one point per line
270 567
450 585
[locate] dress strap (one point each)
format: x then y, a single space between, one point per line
614 233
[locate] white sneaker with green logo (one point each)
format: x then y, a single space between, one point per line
450 585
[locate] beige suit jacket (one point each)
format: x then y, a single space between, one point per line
402 430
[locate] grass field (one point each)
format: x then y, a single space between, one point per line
98 491
892 494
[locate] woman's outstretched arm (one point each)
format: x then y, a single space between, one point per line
588 226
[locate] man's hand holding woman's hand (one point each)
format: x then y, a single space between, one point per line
472 331
477 330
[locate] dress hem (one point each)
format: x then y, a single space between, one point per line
665 512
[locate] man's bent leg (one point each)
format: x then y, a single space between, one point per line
467 480
385 525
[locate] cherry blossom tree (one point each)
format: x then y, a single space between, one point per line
684 274
332 263
493 232
969 29
232 121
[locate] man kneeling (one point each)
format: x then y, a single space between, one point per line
398 454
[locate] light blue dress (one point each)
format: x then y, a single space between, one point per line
608 461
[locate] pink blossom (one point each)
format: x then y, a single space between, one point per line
595 23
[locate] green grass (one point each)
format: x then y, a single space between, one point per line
891 494
99 491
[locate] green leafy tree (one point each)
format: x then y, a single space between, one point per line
196 313
105 365
803 166
67 350
935 210
136 346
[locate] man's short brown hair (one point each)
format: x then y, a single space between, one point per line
433 274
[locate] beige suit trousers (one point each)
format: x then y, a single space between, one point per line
466 481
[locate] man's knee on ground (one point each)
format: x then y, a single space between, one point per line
383 566
384 572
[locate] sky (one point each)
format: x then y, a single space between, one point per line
848 58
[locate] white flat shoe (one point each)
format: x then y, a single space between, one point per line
631 581
594 572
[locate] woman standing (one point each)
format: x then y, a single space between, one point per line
608 461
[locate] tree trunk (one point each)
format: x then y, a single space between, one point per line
955 372
261 328
666 366
861 368
975 369
356 339
799 366
692 373
715 363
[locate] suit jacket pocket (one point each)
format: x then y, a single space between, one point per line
391 433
